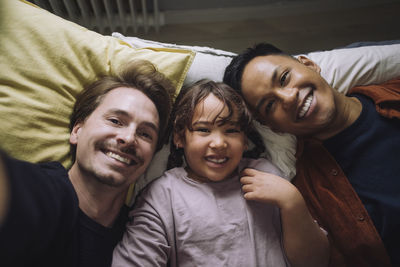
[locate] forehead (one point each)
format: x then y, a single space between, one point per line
209 108
260 72
265 67
131 101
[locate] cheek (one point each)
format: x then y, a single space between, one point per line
273 120
239 143
276 124
146 149
150 150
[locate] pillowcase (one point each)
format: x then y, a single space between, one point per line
45 62
209 63
342 68
346 68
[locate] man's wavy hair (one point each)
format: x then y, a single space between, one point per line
183 111
141 75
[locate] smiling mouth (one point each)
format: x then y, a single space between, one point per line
216 160
120 158
306 106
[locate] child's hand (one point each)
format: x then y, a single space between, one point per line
304 242
268 188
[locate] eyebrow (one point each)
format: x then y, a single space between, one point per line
202 123
121 112
235 123
264 98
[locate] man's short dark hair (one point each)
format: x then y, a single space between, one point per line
234 71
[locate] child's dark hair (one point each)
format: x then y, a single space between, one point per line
183 111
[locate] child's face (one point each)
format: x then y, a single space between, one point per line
212 151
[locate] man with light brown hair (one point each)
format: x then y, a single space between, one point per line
50 216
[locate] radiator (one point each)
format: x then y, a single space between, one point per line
107 16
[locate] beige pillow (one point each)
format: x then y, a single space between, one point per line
45 61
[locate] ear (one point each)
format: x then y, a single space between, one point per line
309 63
178 140
73 138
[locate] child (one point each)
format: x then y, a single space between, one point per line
203 214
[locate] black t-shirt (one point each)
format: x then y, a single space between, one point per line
368 151
44 225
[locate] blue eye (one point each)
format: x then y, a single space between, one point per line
146 135
115 121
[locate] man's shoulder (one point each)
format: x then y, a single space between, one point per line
40 173
54 169
389 90
386 97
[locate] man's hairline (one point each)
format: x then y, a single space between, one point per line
254 110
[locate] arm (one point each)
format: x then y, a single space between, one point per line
304 242
40 212
4 191
145 240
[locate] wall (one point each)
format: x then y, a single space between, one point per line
198 11
204 4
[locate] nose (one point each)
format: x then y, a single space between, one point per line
218 141
288 96
127 136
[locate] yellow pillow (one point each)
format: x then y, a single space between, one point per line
45 61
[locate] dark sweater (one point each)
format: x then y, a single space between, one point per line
333 201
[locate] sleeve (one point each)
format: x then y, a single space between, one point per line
262 164
39 212
145 242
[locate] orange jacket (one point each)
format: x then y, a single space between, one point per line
332 200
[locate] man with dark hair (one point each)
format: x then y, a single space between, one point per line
348 149
50 216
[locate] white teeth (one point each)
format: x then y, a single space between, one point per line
118 157
306 106
219 161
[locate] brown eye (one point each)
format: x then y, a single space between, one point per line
201 129
269 106
233 130
283 78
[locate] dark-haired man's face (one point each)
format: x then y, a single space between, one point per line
288 95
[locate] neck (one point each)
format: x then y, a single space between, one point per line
100 202
348 109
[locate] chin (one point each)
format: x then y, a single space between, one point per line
220 177
111 180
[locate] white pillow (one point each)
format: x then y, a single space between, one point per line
342 68
348 67
208 63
